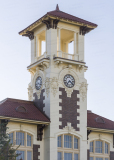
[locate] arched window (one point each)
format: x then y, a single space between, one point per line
23 139
99 150
68 147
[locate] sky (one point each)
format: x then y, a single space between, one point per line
15 15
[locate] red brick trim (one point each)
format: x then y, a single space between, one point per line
69 109
111 155
36 153
88 154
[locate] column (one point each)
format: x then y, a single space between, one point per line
36 46
45 53
59 42
75 56
59 36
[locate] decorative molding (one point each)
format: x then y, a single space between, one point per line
40 129
29 34
30 93
51 23
47 85
83 90
69 128
51 83
45 65
88 132
54 85
68 70
57 64
84 30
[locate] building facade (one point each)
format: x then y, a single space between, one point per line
54 123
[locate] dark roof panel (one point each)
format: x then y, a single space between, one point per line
96 121
21 109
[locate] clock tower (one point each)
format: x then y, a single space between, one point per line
58 87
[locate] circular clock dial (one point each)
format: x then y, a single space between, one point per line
69 81
38 83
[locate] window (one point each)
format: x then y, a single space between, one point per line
19 138
106 148
98 148
91 146
25 141
11 137
29 155
59 155
59 141
75 156
67 156
70 148
28 140
99 158
67 141
21 156
75 143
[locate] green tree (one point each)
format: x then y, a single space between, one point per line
7 152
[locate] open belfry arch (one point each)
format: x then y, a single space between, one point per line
54 122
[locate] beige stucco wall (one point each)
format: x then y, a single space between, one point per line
29 128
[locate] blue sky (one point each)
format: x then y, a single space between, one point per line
15 15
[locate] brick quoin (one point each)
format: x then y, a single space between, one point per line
36 153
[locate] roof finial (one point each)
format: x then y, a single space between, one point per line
57 7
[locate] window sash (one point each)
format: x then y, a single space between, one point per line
75 143
59 156
91 146
22 155
11 138
28 140
67 141
75 156
99 158
67 156
59 141
106 148
98 147
20 138
29 155
91 158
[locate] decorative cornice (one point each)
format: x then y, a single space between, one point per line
51 23
29 34
84 30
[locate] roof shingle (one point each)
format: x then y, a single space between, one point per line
8 108
91 122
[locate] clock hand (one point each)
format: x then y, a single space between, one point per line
70 82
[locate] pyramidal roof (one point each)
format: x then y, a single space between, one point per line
61 16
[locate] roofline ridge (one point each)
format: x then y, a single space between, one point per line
102 117
4 100
73 16
15 100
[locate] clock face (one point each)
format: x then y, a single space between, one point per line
38 83
69 81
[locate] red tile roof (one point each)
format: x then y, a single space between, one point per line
57 13
93 122
10 108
